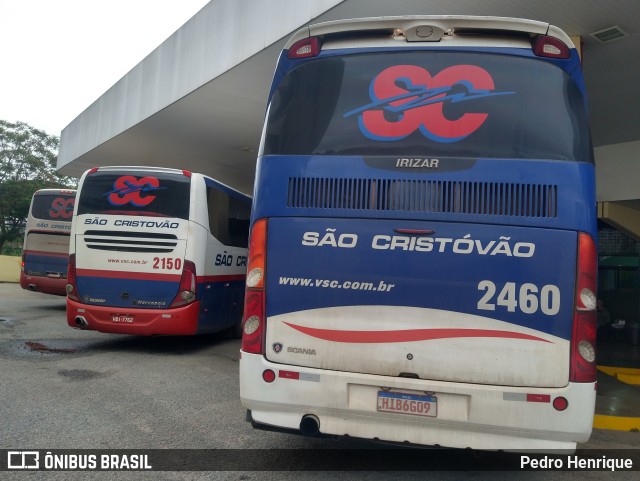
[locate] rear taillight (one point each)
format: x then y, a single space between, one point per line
71 288
305 48
583 340
545 46
188 285
253 323
22 263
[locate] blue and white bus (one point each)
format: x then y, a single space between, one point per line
157 251
45 250
422 262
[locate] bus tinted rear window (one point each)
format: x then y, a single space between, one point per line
53 207
124 193
429 103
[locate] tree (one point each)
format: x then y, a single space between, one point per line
27 163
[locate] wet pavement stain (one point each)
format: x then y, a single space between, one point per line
82 374
39 347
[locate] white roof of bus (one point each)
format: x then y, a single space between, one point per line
54 191
444 22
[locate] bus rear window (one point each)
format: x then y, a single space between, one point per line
126 193
54 207
429 103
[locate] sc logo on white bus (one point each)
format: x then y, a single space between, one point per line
23 460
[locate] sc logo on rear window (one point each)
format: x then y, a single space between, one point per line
416 98
130 190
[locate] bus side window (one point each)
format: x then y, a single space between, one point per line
228 218
239 214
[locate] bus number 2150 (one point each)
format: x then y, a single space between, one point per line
167 263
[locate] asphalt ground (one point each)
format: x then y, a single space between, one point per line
63 388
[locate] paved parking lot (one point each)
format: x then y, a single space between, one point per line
69 389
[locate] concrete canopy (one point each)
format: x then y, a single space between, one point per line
198 100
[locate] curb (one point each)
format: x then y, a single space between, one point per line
616 423
626 375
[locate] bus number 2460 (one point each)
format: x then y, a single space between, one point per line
527 297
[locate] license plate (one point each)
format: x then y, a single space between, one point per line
405 403
122 318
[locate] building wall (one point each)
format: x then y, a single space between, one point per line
225 32
618 171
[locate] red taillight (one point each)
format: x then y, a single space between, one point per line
253 324
583 340
22 263
92 170
305 48
560 403
545 46
188 285
72 291
268 375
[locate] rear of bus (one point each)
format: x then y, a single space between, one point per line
128 266
422 263
45 250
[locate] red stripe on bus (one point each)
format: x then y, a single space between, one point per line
146 276
45 253
151 276
407 335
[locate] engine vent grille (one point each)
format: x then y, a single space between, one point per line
130 241
454 197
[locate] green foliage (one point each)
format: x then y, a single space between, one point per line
27 163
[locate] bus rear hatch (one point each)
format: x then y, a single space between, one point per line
457 302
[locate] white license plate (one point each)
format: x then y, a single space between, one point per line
405 403
122 318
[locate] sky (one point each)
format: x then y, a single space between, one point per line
58 56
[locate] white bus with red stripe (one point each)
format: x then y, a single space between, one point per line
157 251
45 250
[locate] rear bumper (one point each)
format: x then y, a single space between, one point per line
469 415
47 285
181 321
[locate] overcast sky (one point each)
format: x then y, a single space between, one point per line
58 56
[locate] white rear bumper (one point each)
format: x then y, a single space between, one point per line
468 415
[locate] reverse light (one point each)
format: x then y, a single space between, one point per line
305 48
587 351
251 325
588 299
254 277
546 46
188 285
